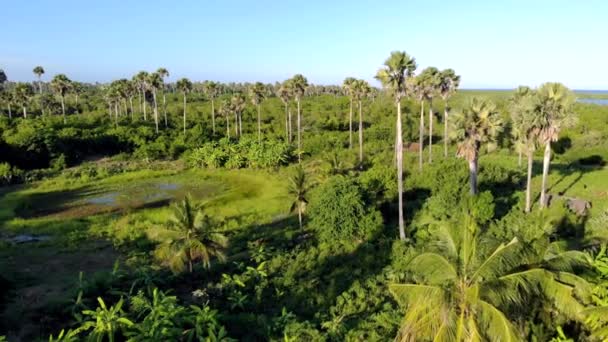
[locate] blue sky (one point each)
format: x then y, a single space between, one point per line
491 44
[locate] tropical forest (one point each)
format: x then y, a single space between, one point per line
396 203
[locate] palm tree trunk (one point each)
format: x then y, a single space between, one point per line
155 110
24 112
400 171
445 130
141 101
63 107
430 132
228 126
213 116
236 124
259 126
184 113
529 182
190 264
350 125
144 102
519 157
360 133
299 134
421 136
240 124
290 134
546 162
10 112
132 111
473 174
300 216
40 84
116 114
286 124
165 107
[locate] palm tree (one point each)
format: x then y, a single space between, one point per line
479 123
237 104
419 91
298 85
225 110
141 80
185 86
524 108
39 71
61 85
163 73
360 90
211 89
7 98
461 285
556 103
298 190
284 94
22 94
347 85
431 81
448 84
187 238
257 93
154 82
393 75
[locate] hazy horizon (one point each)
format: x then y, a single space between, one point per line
491 45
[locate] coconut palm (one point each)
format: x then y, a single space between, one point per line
61 84
448 84
347 85
141 80
257 93
360 90
153 83
284 93
524 108
39 71
298 85
163 73
211 89
463 284
479 123
22 94
237 104
556 103
298 190
185 86
394 75
188 237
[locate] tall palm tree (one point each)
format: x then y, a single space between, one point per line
347 85
153 83
298 190
448 85
361 90
225 110
419 91
7 98
284 93
524 108
479 123
556 102
211 89
185 86
187 238
163 73
141 79
22 94
298 85
431 81
237 104
61 85
39 71
257 93
461 285
398 67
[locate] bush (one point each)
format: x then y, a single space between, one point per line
339 210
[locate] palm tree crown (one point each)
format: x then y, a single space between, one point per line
397 69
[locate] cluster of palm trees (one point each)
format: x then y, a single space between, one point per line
356 90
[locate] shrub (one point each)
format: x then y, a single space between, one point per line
339 210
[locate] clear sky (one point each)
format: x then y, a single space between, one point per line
491 44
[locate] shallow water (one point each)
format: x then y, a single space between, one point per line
602 102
